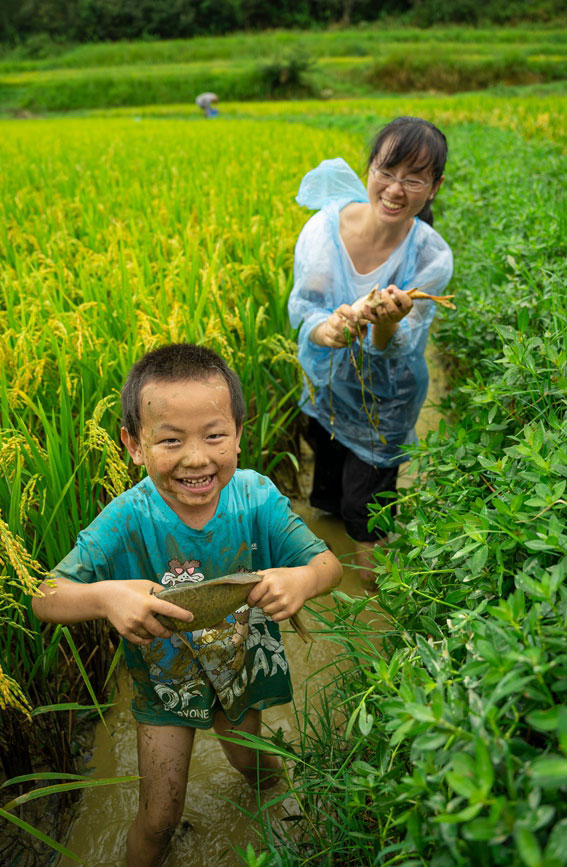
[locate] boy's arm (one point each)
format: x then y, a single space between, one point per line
129 605
283 591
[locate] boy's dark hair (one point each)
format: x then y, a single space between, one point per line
408 138
177 361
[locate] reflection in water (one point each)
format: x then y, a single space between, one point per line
214 788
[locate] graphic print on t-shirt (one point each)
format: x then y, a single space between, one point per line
227 658
180 572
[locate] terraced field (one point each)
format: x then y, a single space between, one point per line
123 230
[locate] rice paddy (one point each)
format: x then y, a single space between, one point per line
120 232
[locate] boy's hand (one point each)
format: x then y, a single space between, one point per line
281 593
131 608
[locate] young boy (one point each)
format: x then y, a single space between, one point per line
193 518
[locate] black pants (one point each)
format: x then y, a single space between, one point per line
344 485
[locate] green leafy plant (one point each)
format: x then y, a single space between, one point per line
72 782
287 74
449 743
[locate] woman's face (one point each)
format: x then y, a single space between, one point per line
400 192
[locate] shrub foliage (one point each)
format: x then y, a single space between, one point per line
101 20
454 746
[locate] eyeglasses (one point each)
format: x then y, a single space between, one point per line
412 185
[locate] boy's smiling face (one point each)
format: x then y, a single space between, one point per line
188 443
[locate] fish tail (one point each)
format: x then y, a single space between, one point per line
440 299
301 629
187 643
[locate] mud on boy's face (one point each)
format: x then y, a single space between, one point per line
188 442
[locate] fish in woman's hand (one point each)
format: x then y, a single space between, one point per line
211 601
373 300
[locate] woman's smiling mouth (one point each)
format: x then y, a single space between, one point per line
389 205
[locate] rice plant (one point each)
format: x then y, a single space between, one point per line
117 236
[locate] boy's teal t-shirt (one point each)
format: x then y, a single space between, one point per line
236 667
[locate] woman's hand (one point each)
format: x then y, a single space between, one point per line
390 306
333 332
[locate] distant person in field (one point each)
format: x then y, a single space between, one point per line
365 236
193 518
208 102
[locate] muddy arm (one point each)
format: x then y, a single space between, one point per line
128 605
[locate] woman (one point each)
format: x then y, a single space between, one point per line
367 382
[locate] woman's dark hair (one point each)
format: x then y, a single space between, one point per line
415 139
178 361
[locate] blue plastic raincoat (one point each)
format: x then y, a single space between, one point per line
376 420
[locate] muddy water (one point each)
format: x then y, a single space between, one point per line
99 832
215 789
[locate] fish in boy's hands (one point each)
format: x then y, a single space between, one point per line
211 601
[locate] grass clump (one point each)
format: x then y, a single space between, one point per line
287 75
